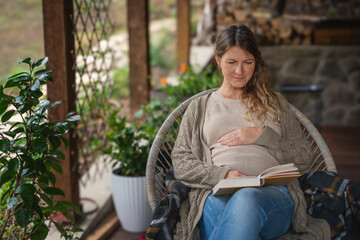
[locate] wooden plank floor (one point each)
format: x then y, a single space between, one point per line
121 234
344 145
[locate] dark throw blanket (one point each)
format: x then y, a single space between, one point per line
166 215
334 199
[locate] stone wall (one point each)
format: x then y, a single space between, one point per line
335 68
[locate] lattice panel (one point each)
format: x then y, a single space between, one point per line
94 60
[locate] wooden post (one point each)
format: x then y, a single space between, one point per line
139 61
59 47
183 32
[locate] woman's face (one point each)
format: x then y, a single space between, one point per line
237 66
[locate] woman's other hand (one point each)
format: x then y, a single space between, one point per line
242 136
234 174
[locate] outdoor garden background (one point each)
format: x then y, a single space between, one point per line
102 73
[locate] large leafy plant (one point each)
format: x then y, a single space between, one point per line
29 153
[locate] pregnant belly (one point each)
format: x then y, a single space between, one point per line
248 159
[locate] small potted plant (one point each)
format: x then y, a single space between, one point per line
128 148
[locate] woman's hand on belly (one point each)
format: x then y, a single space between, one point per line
242 136
234 174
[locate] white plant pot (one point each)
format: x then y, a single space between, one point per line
130 202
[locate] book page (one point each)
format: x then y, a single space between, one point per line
280 169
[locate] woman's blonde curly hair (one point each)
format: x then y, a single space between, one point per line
259 98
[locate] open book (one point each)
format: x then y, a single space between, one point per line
277 175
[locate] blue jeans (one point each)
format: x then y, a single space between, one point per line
250 214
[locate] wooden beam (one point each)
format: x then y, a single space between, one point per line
106 228
139 61
59 47
183 32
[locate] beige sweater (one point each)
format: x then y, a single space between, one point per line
224 115
193 167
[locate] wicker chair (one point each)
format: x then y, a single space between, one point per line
159 157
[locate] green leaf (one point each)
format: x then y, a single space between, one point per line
3 160
10 134
22 79
55 141
22 217
10 83
4 145
60 228
28 199
43 181
18 81
77 229
40 233
53 191
37 208
39 63
28 159
13 165
64 210
56 167
45 77
27 173
7 115
43 71
52 159
71 206
40 165
46 199
17 74
3 107
50 176
72 117
26 60
6 176
60 155
45 104
55 103
12 202
62 126
20 100
35 86
19 130
39 145
64 140
36 94
15 124
26 188
24 107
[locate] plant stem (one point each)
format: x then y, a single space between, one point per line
24 233
7 213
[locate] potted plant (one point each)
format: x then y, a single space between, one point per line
128 148
29 152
